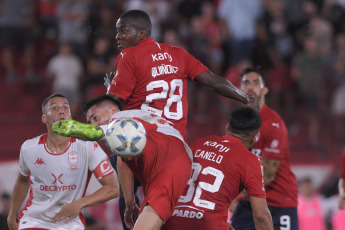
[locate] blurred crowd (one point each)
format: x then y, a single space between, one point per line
299 45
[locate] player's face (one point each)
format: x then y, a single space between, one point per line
252 85
99 115
127 33
56 109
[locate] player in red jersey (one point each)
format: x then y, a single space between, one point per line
153 76
273 149
163 169
341 185
222 168
56 171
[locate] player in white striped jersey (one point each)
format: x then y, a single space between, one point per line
57 170
163 168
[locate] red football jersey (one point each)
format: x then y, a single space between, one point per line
272 143
342 166
153 76
222 168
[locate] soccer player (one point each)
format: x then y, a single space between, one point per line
101 119
222 168
153 76
56 171
163 168
341 184
273 149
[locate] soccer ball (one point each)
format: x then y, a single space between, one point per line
126 137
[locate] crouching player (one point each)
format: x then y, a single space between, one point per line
222 167
163 168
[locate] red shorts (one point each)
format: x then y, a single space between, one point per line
163 170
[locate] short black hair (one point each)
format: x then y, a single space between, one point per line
142 19
105 97
45 101
253 70
245 121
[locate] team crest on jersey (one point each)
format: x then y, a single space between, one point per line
72 160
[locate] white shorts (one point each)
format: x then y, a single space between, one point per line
32 223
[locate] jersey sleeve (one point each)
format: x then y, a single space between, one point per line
193 66
253 180
23 168
124 80
275 141
342 166
98 160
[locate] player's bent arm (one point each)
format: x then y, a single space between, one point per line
341 188
270 169
108 191
261 214
222 86
126 180
127 185
20 190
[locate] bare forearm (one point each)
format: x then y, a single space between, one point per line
222 86
107 192
126 181
20 191
263 222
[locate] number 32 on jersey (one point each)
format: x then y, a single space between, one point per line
171 98
195 190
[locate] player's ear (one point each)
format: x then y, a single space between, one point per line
44 119
265 90
143 34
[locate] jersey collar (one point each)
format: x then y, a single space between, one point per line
146 41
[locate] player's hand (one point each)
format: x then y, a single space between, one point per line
131 215
230 226
68 212
12 223
341 202
253 104
108 78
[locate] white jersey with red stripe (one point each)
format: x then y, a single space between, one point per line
58 179
163 126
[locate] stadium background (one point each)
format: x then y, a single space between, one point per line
281 29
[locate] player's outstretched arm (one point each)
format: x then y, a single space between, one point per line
222 86
127 185
261 214
108 191
20 190
72 128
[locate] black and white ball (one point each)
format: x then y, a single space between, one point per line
126 137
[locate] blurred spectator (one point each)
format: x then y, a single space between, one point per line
263 50
322 31
16 26
100 62
65 68
337 72
215 33
240 16
72 15
309 71
310 207
5 208
47 17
